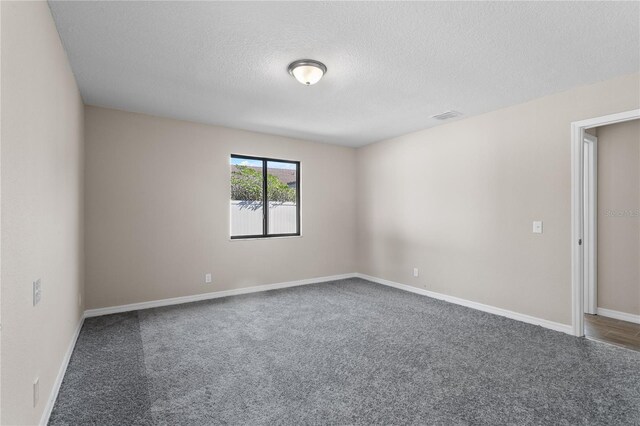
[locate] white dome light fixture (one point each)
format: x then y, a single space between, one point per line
307 71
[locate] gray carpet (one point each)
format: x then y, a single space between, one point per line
345 352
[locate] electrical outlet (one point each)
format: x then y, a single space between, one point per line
37 292
537 227
36 391
207 279
415 272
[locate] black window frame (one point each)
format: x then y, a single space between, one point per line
265 201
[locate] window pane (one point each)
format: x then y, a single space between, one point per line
246 197
281 193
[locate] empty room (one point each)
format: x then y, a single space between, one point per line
345 213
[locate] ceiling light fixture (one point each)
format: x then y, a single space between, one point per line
446 115
307 71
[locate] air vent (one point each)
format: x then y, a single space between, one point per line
447 115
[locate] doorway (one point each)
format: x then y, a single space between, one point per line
584 214
612 233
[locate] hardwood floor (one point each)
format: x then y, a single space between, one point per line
616 332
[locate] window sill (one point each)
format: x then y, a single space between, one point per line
284 237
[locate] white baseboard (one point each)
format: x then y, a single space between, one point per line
206 296
623 316
564 328
61 372
224 293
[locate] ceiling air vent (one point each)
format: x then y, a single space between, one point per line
446 115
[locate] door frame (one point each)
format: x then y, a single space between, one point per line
590 215
577 209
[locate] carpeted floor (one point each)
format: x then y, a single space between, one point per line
346 352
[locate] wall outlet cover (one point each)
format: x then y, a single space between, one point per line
537 227
207 279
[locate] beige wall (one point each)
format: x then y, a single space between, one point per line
42 156
157 210
457 201
618 217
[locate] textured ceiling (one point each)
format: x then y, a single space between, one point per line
390 65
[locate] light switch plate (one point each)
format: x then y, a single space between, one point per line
37 292
36 391
537 227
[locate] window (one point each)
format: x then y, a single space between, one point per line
265 197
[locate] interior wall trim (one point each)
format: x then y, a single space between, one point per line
623 316
564 328
577 203
53 395
213 295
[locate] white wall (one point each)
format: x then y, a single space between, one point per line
157 210
457 201
42 175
